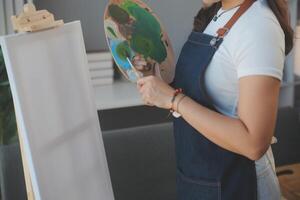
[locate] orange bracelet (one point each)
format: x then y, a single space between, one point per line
176 93
172 111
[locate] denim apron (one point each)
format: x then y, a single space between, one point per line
205 171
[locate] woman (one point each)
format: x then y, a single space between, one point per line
226 90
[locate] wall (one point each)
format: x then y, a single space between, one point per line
7 9
176 15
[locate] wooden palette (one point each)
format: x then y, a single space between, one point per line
132 29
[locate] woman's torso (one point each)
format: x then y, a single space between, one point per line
222 75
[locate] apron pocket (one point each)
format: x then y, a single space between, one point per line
197 188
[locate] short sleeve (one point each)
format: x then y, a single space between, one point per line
261 51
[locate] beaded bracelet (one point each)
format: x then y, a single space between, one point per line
176 93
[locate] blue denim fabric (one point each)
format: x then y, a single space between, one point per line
205 171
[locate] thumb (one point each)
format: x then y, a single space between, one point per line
141 81
157 71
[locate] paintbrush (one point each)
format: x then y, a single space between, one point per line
137 73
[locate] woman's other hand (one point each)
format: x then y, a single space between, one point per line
147 69
139 63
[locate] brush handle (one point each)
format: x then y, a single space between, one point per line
137 73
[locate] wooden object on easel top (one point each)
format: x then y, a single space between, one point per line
31 20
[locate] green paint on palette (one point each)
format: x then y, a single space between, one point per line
146 36
143 44
112 31
123 51
118 14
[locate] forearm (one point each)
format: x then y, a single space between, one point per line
228 133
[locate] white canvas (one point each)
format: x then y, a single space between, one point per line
57 115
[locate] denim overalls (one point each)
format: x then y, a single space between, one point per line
205 171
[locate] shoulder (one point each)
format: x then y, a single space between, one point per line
258 43
258 27
259 22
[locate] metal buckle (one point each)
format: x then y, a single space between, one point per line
213 41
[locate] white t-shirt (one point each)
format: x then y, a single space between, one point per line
255 45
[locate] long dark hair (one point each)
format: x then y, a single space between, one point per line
279 7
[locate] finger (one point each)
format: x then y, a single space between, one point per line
148 78
143 62
137 57
139 67
144 101
140 62
149 104
141 81
157 71
137 61
148 67
141 90
144 80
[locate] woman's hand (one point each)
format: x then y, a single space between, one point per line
155 92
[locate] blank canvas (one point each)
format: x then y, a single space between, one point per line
57 115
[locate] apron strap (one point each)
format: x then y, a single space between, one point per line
243 8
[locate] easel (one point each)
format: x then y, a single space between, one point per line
31 20
60 137
29 190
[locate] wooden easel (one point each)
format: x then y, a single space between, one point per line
31 20
61 146
29 189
